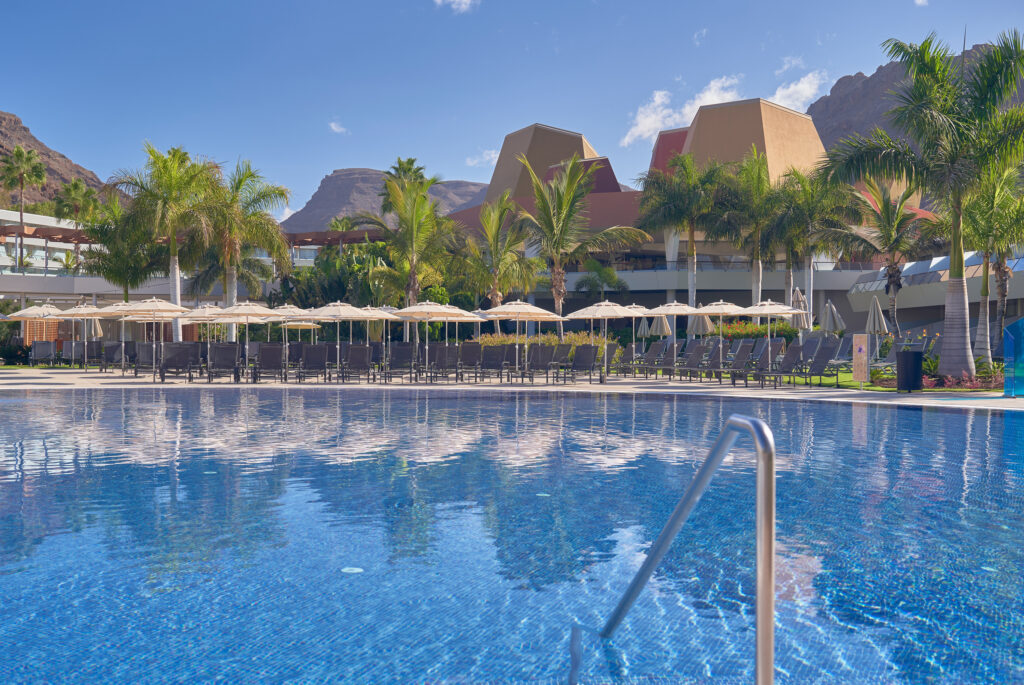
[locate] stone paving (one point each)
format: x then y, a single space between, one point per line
43 378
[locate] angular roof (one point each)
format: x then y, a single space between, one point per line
543 146
605 180
669 144
725 132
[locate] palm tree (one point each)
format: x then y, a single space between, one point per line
558 226
20 168
170 193
130 255
252 271
417 237
495 260
685 198
890 230
955 118
813 208
242 222
76 202
1002 271
990 227
751 202
404 170
599 279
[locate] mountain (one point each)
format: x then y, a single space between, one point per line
344 192
858 103
59 169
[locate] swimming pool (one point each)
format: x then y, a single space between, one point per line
408 536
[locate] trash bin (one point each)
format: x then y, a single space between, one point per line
908 370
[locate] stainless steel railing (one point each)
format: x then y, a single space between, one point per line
764 445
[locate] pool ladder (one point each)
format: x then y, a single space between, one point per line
764 446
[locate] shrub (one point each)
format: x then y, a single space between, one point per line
573 338
14 354
747 329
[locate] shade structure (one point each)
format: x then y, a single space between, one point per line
700 325
301 325
831 321
424 311
153 310
660 326
721 309
80 312
803 319
603 311
876 322
674 309
644 330
38 311
770 308
517 311
249 312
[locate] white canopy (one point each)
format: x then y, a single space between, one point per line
722 308
674 309
520 311
604 310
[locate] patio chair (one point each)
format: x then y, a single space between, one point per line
651 358
470 354
493 362
583 361
357 364
42 351
819 366
611 349
538 360
314 362
223 361
444 363
692 362
625 364
740 361
144 358
787 366
110 356
176 360
93 350
376 353
270 362
560 358
295 353
400 362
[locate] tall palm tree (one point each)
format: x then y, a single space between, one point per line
76 202
248 269
242 209
750 204
495 259
891 230
404 170
558 226
130 255
20 168
990 227
955 119
170 193
416 236
1002 271
684 198
813 208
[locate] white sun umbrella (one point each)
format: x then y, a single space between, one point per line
207 313
457 316
382 315
700 324
117 311
659 326
831 321
641 313
36 311
517 311
644 330
876 322
674 309
721 309
288 312
338 312
249 312
770 309
603 311
82 312
424 311
153 310
803 319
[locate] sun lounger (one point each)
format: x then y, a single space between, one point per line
223 361
785 367
358 364
270 362
314 363
584 360
176 360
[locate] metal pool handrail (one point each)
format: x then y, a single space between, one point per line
764 445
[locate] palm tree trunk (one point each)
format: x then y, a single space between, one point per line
1002 291
892 313
175 274
558 293
21 220
231 299
982 344
691 270
755 283
789 281
956 359
809 288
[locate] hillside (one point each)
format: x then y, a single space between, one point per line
858 103
348 191
59 169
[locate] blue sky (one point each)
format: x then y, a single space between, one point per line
306 87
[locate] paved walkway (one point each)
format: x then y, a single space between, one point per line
56 379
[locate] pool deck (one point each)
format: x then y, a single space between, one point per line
57 379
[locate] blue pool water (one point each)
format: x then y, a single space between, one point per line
404 536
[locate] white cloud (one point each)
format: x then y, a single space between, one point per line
285 213
336 127
485 158
699 36
921 3
458 6
798 94
658 115
790 63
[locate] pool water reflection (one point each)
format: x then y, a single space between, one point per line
398 536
